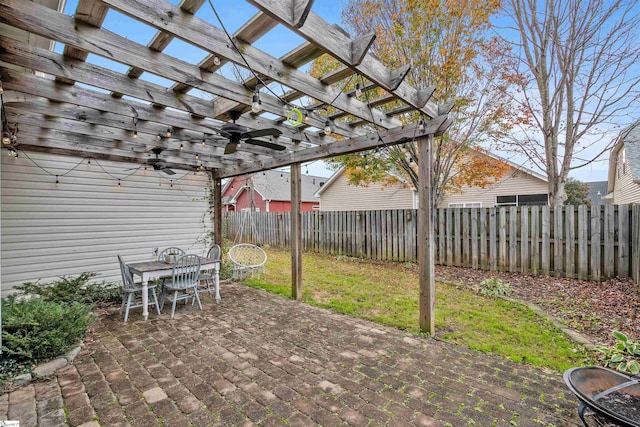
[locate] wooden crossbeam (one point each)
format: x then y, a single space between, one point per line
386 138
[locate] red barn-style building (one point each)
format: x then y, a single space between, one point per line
272 192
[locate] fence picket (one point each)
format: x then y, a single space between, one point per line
623 241
570 242
583 242
524 239
596 238
609 240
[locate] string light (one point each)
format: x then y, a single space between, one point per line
135 134
358 90
181 147
203 139
119 183
171 183
216 60
281 176
421 125
168 132
327 127
256 104
197 156
57 180
306 116
6 139
88 161
159 137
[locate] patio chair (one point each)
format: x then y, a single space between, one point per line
207 277
130 289
183 284
166 254
248 260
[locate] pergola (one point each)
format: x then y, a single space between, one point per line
66 105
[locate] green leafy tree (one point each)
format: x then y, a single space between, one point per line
447 46
577 192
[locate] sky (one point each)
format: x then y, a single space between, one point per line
277 42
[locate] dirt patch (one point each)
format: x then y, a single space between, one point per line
595 309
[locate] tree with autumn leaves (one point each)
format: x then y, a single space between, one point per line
447 46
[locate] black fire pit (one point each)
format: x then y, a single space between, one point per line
613 397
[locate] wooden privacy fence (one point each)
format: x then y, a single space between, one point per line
589 243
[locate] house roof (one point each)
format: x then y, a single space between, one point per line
516 166
597 190
629 138
275 185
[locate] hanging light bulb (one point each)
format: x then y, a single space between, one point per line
1 89
6 138
171 184
57 181
168 132
256 104
119 183
216 60
306 116
145 169
358 90
421 125
181 147
135 134
197 156
327 127
88 161
159 137
281 176
203 141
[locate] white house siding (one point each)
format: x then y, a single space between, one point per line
625 190
341 196
513 183
48 231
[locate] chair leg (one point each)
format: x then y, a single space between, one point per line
126 313
162 298
124 300
196 297
173 306
155 300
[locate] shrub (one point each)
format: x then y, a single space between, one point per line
492 287
623 355
35 329
73 290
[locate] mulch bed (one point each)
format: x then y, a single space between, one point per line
595 309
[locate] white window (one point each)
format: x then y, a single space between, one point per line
466 205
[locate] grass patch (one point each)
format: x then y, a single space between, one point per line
387 293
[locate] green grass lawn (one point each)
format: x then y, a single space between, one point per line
387 293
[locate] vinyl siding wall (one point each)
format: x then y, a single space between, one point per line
48 231
513 183
625 191
341 196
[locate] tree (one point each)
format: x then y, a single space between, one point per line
577 192
580 60
447 47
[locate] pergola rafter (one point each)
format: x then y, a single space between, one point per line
65 104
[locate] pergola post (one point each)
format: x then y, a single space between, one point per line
426 279
217 211
296 231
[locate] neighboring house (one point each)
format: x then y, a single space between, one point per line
272 192
597 192
518 187
624 167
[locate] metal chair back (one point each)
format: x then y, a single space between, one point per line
127 277
214 252
175 251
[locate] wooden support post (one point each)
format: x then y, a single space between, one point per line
425 237
296 231
217 210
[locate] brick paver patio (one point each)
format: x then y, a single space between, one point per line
258 358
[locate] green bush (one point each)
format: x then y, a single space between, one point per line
623 355
73 290
35 330
492 287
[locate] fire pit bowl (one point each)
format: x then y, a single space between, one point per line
612 396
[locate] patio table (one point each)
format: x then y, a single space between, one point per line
148 270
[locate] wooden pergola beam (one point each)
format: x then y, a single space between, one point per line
296 231
362 143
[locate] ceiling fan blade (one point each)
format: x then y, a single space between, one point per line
231 147
168 171
262 132
266 144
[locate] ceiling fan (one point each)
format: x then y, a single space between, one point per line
157 163
238 134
